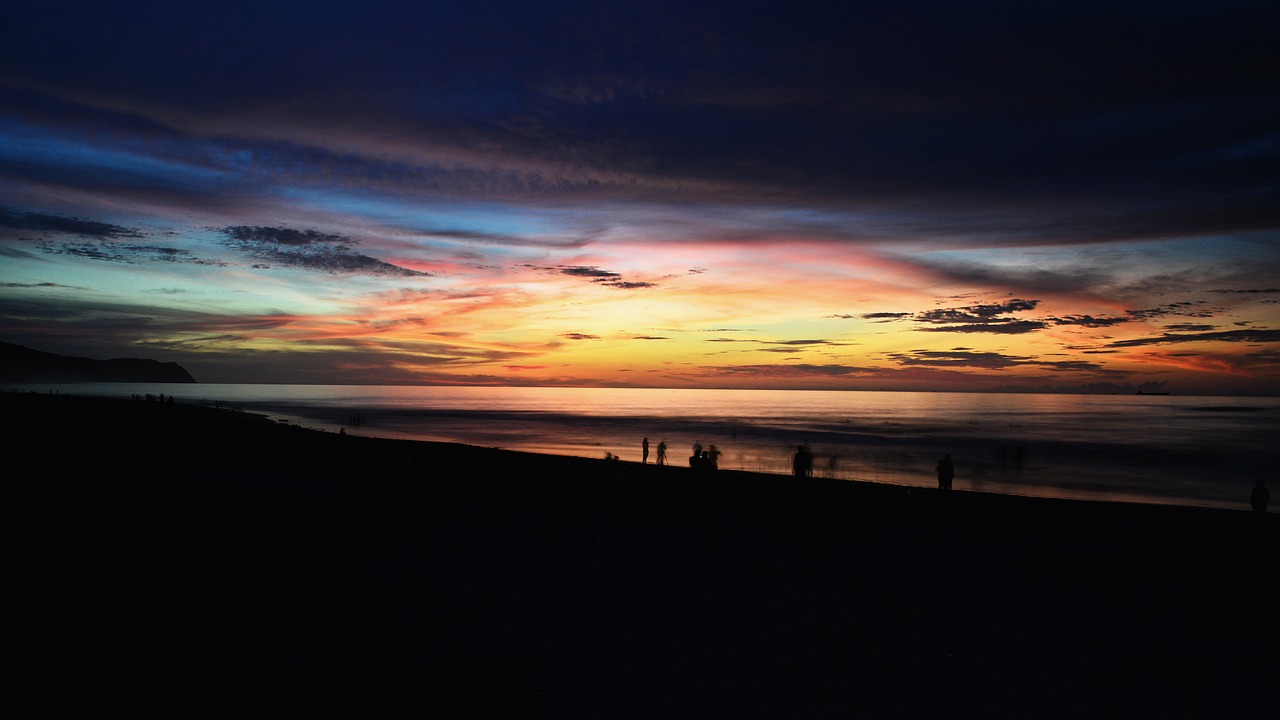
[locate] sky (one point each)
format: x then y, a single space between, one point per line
971 196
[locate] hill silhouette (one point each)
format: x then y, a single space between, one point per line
20 364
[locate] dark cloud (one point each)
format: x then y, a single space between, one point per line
1061 279
1183 308
581 336
128 253
989 312
607 278
1069 365
795 346
1233 336
341 363
1140 121
957 358
793 370
73 326
308 249
34 285
285 236
883 316
1262 360
783 350
962 357
46 223
981 318
117 326
17 253
912 125
1089 321
778 346
1002 327
798 342
590 272
80 148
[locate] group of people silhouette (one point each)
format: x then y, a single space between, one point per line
662 452
708 459
704 461
701 458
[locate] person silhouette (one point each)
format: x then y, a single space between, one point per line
644 451
802 463
662 452
1260 497
946 472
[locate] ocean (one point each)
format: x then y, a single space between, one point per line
1184 450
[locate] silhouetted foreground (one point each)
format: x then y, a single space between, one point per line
178 561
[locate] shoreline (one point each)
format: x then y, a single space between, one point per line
1191 462
186 560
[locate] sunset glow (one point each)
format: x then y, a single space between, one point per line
650 196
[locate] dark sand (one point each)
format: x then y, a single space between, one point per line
177 561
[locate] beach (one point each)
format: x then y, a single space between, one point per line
184 561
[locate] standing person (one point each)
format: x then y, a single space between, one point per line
946 472
662 452
644 451
1260 496
802 463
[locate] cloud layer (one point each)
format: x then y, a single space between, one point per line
657 193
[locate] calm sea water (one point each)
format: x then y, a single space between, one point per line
1204 451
